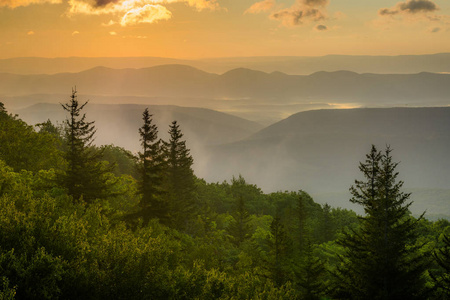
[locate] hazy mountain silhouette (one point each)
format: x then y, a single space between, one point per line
118 124
288 64
184 81
319 151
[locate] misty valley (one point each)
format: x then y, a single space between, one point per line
200 179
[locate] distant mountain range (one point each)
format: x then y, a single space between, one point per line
185 81
298 65
319 151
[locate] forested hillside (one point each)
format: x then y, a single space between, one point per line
83 221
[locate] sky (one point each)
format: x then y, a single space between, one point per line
222 28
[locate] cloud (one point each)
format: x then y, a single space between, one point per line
259 7
132 12
112 33
321 27
303 11
146 14
75 32
410 7
435 29
315 3
31 32
100 3
17 3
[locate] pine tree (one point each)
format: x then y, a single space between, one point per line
310 275
240 228
381 261
326 226
85 175
180 178
280 247
442 257
152 204
301 215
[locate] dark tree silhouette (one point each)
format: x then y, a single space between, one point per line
381 261
180 178
85 175
152 204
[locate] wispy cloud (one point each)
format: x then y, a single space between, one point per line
258 7
145 14
17 3
31 32
75 32
303 11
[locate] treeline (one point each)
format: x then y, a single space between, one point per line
79 221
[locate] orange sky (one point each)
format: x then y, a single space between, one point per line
221 28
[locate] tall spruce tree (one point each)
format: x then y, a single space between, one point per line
180 178
85 176
152 204
310 275
442 257
240 227
280 248
380 260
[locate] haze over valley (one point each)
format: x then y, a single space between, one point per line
280 131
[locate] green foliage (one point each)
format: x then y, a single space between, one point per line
124 161
310 276
442 256
22 148
6 292
280 247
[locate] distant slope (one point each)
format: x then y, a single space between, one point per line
319 151
299 65
118 124
185 81
303 65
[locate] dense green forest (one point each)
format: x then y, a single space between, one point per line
79 221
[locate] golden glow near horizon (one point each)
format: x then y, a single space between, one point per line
222 28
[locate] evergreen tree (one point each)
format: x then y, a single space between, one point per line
152 204
381 261
279 252
326 226
240 228
442 257
85 176
310 275
301 215
180 178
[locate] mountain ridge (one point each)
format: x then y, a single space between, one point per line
301 65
